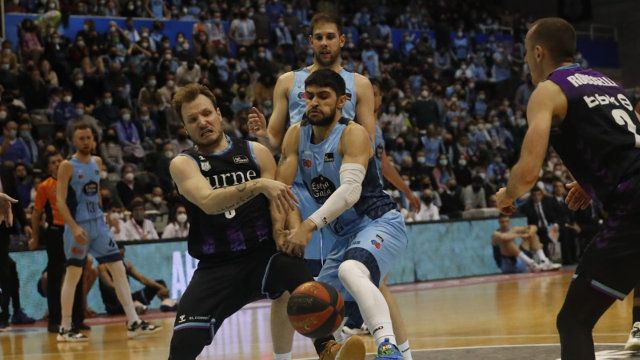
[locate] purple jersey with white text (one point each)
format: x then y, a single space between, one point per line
598 140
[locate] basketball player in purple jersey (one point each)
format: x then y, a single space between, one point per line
592 126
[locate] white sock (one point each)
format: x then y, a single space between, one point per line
286 356
405 350
542 256
123 291
525 258
375 312
68 292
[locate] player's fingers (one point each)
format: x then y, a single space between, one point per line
9 217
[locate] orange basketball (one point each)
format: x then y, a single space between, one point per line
315 309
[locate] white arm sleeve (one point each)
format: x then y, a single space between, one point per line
345 196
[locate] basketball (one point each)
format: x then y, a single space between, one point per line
315 309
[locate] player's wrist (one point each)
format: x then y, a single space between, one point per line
308 225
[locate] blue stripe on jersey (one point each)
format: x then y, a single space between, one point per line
297 105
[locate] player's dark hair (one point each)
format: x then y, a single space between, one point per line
325 18
557 36
327 78
503 216
50 155
536 189
189 93
137 202
81 126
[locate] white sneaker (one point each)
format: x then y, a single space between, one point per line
141 327
549 266
633 343
70 336
535 267
141 308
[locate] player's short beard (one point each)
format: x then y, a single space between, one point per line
330 62
324 121
213 142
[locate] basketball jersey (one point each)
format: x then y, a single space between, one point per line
237 230
84 190
297 104
378 151
319 167
598 139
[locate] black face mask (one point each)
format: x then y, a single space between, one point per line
427 200
182 136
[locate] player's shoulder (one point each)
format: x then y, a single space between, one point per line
355 129
548 92
361 80
259 149
286 79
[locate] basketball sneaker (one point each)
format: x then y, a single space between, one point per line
70 336
633 343
388 351
141 327
352 349
549 266
362 331
535 267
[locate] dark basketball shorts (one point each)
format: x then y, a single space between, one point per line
611 262
220 288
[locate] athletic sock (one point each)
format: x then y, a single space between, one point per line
71 278
123 291
405 350
525 258
542 256
356 278
636 305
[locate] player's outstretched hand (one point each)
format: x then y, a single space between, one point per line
6 215
414 202
280 195
504 203
297 241
257 123
577 198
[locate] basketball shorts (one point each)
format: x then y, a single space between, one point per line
611 262
513 265
378 243
219 288
99 243
321 241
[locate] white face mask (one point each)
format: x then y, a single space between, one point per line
462 162
168 154
156 200
103 175
79 83
126 117
80 112
181 218
67 98
443 162
108 101
115 216
3 115
129 176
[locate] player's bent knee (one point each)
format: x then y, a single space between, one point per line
352 269
367 259
189 338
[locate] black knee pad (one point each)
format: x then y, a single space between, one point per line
190 336
284 273
365 257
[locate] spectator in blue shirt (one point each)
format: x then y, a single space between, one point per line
64 111
13 148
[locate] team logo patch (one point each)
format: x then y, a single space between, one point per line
321 188
379 150
182 318
348 96
90 188
80 175
205 166
307 163
328 157
97 172
240 159
302 95
76 250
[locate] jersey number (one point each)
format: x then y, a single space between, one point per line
91 207
230 214
622 118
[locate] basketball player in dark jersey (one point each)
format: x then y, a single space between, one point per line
592 126
232 202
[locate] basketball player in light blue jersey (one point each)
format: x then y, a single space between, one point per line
334 158
78 200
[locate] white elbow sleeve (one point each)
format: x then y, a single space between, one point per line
346 195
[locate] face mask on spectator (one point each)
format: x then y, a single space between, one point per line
181 218
80 43
152 83
79 83
421 159
131 7
6 67
126 117
428 199
168 154
557 173
25 134
129 176
67 98
3 115
462 162
108 101
103 175
115 216
144 117
13 134
80 112
443 162
156 200
392 109
170 83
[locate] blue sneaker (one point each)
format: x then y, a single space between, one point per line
388 351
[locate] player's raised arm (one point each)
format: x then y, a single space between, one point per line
544 103
365 105
272 135
197 189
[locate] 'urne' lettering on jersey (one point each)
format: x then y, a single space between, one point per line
231 178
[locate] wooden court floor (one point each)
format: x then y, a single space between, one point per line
497 310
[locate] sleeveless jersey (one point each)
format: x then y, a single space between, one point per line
235 231
319 167
297 105
84 191
598 139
